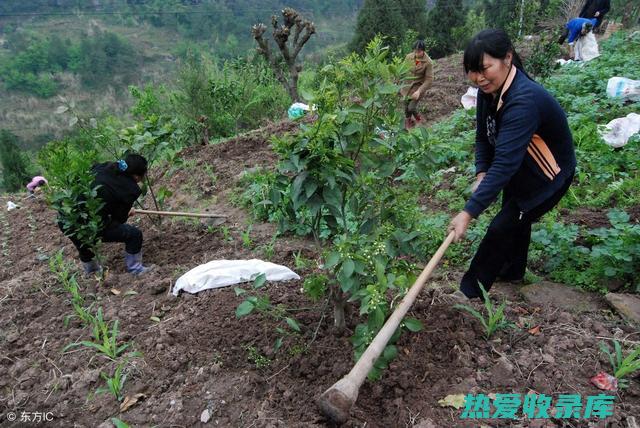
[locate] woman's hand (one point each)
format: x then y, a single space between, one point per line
132 212
459 225
479 178
416 95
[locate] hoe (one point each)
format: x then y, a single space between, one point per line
335 403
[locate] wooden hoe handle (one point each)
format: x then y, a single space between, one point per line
335 403
180 214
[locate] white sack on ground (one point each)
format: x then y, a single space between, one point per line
586 48
617 132
470 98
624 88
222 273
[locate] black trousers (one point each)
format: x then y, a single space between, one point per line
505 247
130 235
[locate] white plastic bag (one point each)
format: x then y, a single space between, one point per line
586 48
470 98
624 88
11 206
222 273
618 132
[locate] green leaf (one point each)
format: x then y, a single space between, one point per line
332 196
376 319
259 281
310 187
413 324
154 319
118 423
293 324
390 352
388 89
278 344
348 267
244 309
332 259
239 291
352 128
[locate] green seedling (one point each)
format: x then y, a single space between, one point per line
622 366
115 383
246 237
300 261
269 249
495 318
262 304
226 234
106 340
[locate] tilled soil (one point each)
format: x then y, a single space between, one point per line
197 356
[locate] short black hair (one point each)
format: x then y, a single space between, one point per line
494 42
587 26
420 45
136 164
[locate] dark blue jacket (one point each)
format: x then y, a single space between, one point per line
523 143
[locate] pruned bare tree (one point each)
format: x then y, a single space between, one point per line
568 9
290 37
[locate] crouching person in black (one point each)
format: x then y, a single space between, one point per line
117 187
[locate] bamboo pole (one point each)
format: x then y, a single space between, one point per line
180 214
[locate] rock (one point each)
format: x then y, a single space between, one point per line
599 328
502 372
627 305
549 294
631 422
158 289
205 416
425 423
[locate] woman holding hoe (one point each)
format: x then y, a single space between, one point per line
524 148
117 187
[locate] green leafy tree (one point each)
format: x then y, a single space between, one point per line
383 17
474 23
15 165
501 14
443 20
415 14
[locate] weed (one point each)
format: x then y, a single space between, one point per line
226 234
246 237
268 250
622 366
254 356
495 319
300 262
